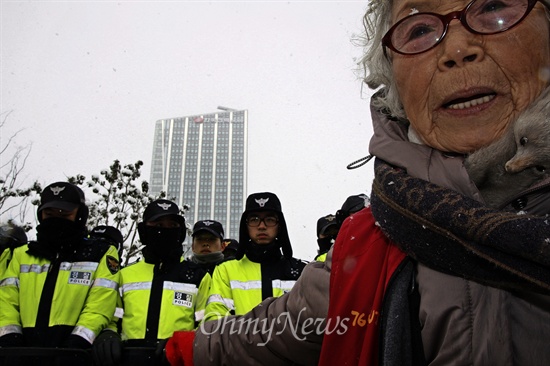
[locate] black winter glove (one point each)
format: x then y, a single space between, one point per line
11 340
75 341
107 348
71 358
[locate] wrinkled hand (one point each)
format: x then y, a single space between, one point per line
107 348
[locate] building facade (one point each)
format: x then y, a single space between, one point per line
201 160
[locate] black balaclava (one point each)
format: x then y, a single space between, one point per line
257 202
162 245
323 224
325 243
58 235
110 235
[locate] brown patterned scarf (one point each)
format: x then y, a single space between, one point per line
454 234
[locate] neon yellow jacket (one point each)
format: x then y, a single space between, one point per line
5 258
178 300
83 293
321 257
237 285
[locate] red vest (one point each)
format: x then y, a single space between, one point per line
363 261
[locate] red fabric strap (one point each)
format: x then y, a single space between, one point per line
179 348
363 261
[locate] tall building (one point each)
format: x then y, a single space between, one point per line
202 161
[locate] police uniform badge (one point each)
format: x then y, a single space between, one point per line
183 299
112 264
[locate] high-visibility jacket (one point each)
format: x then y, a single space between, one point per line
156 303
321 257
239 285
5 257
47 300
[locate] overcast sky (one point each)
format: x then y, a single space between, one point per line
88 79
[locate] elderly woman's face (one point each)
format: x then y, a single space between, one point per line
500 74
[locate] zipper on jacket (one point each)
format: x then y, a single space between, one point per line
46 297
155 302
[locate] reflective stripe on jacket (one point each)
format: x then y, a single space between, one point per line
83 299
177 299
237 285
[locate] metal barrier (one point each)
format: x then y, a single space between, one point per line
36 356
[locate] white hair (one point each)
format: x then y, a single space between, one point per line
376 70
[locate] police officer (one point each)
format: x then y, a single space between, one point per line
60 290
327 229
110 234
351 205
159 294
207 244
328 226
259 270
230 247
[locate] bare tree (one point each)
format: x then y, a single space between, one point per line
115 196
117 199
14 195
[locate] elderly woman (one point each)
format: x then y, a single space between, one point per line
427 274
